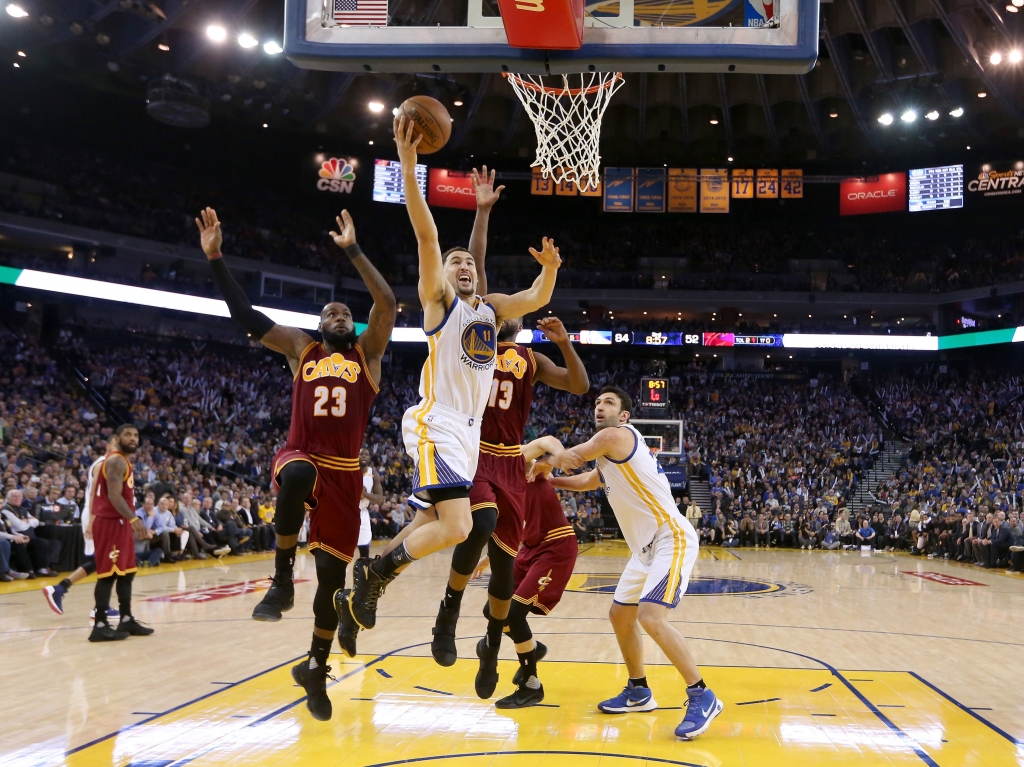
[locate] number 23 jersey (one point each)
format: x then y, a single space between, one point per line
331 399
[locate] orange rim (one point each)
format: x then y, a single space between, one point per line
563 91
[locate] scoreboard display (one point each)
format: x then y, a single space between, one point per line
654 392
936 188
387 181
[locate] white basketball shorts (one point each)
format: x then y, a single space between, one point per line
444 445
365 531
661 572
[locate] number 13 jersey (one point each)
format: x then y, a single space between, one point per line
331 399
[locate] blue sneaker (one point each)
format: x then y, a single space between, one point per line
630 699
55 597
701 710
111 613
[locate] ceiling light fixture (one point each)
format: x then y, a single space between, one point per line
1015 56
909 116
375 106
933 115
982 95
163 47
458 102
958 112
16 11
995 58
216 33
22 54
247 41
714 121
272 48
885 119
729 159
1011 9
1017 3
833 113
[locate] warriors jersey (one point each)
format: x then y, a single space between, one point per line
640 495
331 399
100 505
460 360
87 505
511 395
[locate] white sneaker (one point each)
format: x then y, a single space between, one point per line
222 551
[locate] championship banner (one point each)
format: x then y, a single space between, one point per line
792 184
451 189
682 190
767 183
618 190
650 190
591 191
994 182
541 185
886 195
742 184
714 190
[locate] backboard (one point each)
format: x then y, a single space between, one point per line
620 35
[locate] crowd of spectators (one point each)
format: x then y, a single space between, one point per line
115 194
783 456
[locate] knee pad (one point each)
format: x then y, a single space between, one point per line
330 576
466 555
296 482
89 565
502 583
518 627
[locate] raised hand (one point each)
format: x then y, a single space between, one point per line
210 237
346 234
483 185
548 255
406 140
553 329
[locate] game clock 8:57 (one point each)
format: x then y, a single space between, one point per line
654 392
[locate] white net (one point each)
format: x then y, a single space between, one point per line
567 121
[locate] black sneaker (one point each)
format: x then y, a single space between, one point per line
524 696
487 674
519 678
367 586
132 627
347 626
442 645
280 598
102 632
314 682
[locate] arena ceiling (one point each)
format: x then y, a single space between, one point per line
876 57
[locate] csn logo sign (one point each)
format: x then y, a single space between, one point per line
336 175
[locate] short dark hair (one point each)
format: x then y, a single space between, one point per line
456 249
123 428
624 399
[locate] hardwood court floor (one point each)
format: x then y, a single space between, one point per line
821 659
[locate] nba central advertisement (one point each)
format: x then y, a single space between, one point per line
994 182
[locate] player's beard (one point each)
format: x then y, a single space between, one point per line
127 450
342 340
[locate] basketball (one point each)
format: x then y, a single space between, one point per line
432 122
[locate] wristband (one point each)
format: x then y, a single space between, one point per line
215 256
353 251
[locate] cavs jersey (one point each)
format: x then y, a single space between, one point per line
509 399
639 494
442 432
101 506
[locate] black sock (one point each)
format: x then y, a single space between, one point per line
66 584
284 561
528 660
699 683
387 564
452 598
319 649
640 681
495 628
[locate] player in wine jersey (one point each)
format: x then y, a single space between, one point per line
114 527
334 384
442 432
664 550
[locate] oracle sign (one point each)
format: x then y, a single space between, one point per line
451 189
888 193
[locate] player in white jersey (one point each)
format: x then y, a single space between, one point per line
55 594
373 492
664 549
442 432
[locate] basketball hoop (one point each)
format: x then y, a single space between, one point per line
567 121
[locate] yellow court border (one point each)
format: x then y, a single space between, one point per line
399 708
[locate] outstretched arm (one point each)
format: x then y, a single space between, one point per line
617 444
537 296
541 446
290 342
373 340
573 377
486 196
578 482
436 293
